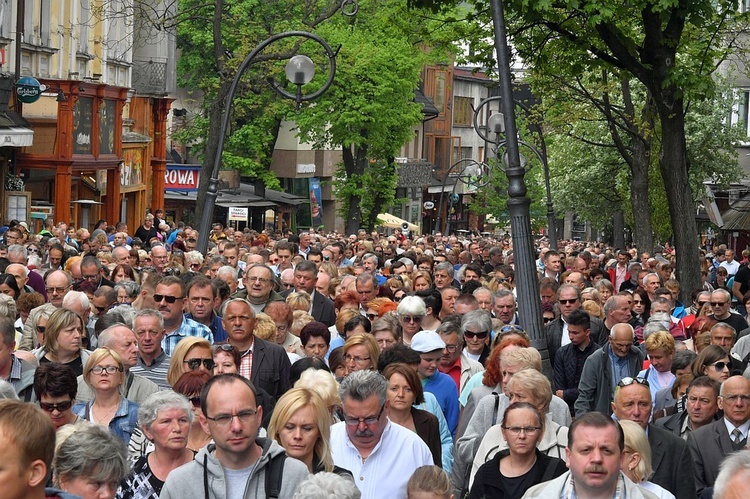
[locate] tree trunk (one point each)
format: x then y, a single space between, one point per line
618 229
643 233
674 172
355 163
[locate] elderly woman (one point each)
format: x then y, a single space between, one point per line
89 463
104 373
316 339
127 292
405 390
360 353
301 424
636 459
387 331
62 341
283 317
476 327
411 312
521 464
226 359
660 348
532 387
165 418
55 387
191 354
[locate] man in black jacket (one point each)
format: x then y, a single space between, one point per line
571 357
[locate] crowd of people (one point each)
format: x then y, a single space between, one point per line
312 365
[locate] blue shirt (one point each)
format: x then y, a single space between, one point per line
216 327
188 328
122 423
445 391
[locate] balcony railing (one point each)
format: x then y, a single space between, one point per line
150 76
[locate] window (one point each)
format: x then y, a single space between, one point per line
741 110
463 111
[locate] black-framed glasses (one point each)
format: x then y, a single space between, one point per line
224 419
368 421
718 303
33 250
567 302
630 381
477 334
167 298
372 317
41 329
110 370
59 407
194 364
93 277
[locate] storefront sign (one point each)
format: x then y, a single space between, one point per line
239 214
182 177
306 169
28 89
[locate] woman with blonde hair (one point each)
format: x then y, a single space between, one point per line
360 352
593 308
429 482
635 462
422 280
63 339
301 424
191 354
299 300
325 385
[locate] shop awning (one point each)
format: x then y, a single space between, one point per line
15 131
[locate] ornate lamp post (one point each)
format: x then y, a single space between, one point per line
299 70
472 173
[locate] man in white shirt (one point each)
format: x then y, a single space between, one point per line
381 455
730 263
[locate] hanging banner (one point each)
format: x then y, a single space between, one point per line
316 202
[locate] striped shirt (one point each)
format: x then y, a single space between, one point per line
156 372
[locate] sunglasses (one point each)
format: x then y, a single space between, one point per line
59 407
196 401
567 302
629 381
720 366
225 347
33 250
372 317
191 240
547 319
41 329
168 299
480 334
408 318
194 364
718 303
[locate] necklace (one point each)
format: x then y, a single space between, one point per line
106 415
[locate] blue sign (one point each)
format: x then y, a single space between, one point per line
28 89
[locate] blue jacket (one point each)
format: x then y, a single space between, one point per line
445 391
123 422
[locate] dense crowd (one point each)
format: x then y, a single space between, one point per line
314 365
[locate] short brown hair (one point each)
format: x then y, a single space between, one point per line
30 429
411 377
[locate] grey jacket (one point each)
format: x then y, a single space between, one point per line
554 488
188 480
595 388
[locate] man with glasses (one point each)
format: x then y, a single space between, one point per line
721 311
381 455
237 462
153 361
57 286
122 340
569 300
712 443
430 348
202 298
259 281
604 369
454 362
91 269
169 297
671 460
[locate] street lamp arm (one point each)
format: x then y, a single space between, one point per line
213 184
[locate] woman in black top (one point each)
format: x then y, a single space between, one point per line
512 472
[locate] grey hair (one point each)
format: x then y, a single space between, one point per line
724 325
239 300
227 269
661 318
18 249
724 292
150 312
450 327
160 401
447 267
633 265
93 453
622 324
413 305
645 278
653 327
389 322
7 391
194 256
367 277
477 318
324 485
130 287
611 304
482 289
736 465
8 307
361 385
78 297
126 312
106 337
502 293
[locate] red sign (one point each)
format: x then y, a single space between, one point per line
182 177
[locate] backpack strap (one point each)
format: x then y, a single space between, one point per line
494 411
274 475
549 472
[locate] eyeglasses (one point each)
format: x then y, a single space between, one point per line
701 303
90 277
511 329
166 298
368 421
733 399
718 303
56 289
629 381
546 320
41 329
224 419
192 240
720 366
194 364
372 317
59 407
472 334
415 319
287 285
327 258
195 265
172 271
110 370
196 401
262 280
32 250
567 302
357 360
224 347
451 348
526 430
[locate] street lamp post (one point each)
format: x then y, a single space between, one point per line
299 70
527 285
477 177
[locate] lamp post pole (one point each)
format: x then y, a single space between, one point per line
527 285
300 71
471 163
